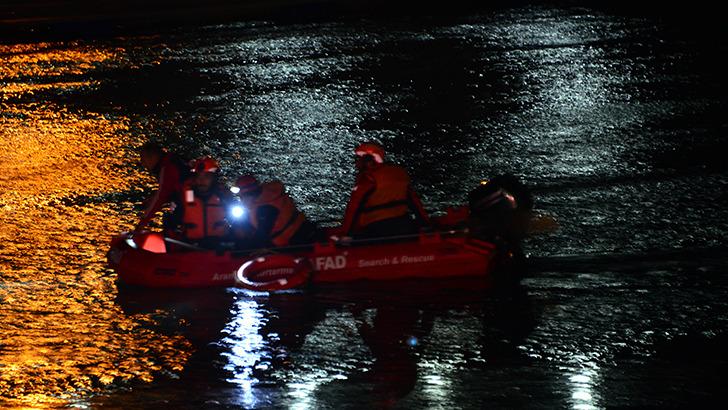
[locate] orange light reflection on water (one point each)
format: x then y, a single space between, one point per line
62 335
48 60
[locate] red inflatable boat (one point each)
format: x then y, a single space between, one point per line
145 261
497 208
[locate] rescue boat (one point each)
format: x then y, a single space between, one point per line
499 209
144 260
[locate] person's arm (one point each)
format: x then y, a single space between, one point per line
267 216
361 190
168 178
416 205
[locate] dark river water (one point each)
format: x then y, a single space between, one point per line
617 123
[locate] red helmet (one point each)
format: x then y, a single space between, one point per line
205 164
246 183
373 149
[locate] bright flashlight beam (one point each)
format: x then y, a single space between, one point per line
237 211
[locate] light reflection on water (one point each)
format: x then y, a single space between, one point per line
62 333
51 60
246 346
584 384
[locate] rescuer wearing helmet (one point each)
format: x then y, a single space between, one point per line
171 172
206 203
382 198
272 218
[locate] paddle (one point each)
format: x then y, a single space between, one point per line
184 244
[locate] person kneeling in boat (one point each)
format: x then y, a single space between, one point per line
500 211
206 204
382 200
272 219
171 172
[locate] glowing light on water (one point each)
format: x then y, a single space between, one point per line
52 60
63 335
563 72
582 386
246 347
302 393
436 387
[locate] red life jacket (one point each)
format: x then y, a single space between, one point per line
204 218
388 199
289 218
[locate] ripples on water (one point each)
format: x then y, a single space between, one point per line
617 122
62 333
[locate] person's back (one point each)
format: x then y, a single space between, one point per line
273 218
171 173
383 199
386 189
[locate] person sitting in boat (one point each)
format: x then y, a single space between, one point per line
382 200
206 204
272 218
171 172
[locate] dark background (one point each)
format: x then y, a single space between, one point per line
68 19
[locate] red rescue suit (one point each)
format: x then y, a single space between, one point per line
289 218
382 192
171 174
204 217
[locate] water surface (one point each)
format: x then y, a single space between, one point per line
616 122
